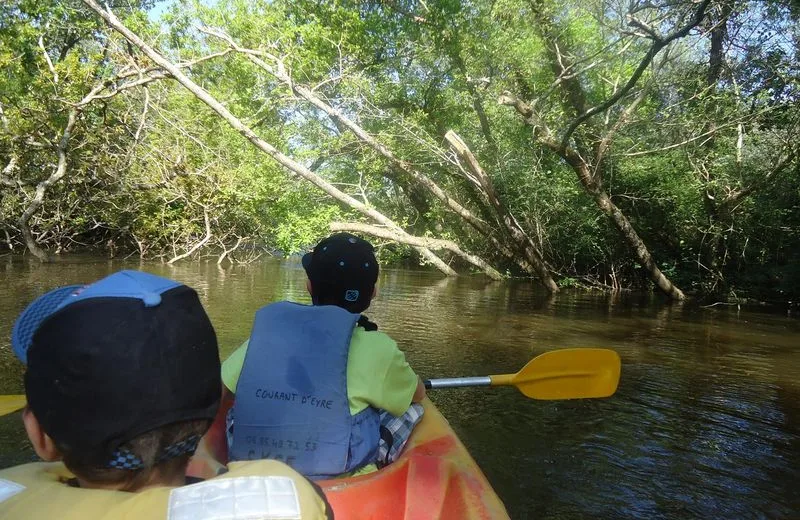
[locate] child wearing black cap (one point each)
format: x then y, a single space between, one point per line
122 380
319 387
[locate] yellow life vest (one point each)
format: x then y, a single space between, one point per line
263 489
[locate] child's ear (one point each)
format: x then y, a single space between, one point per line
308 287
43 445
374 292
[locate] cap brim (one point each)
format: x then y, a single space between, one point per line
33 315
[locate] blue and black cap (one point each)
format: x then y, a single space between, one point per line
110 361
343 271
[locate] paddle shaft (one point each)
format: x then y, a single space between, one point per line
458 382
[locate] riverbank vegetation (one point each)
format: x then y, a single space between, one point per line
606 143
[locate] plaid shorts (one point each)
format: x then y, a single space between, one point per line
394 432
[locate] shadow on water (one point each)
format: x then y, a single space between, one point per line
706 422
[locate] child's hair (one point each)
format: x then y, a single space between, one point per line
150 449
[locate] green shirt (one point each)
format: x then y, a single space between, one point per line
378 374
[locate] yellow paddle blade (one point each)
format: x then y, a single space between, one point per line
573 373
11 403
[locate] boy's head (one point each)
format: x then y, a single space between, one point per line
343 271
123 377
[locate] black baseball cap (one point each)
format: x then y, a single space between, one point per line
115 359
343 271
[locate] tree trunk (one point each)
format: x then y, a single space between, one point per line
533 262
593 186
251 136
485 187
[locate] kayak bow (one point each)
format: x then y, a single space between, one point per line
435 477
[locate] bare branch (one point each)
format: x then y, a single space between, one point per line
405 238
47 57
143 118
658 44
734 197
509 222
227 251
198 245
41 188
5 180
649 31
605 142
3 118
181 65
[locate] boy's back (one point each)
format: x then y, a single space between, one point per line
378 374
356 362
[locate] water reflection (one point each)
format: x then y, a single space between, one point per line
706 423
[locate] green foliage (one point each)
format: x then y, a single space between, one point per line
144 175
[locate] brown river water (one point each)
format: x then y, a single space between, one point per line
705 424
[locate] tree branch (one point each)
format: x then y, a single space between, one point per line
47 57
5 180
227 251
198 245
41 188
605 142
405 238
738 195
658 44
509 222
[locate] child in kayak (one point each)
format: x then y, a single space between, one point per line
319 387
122 380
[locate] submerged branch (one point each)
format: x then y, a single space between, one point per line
198 245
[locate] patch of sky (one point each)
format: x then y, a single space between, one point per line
163 6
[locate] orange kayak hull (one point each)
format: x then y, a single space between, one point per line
434 478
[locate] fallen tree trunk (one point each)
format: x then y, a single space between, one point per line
431 243
251 136
531 262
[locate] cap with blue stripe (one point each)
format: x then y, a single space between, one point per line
123 284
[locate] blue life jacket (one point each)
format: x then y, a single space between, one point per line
291 398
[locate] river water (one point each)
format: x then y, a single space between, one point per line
705 424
